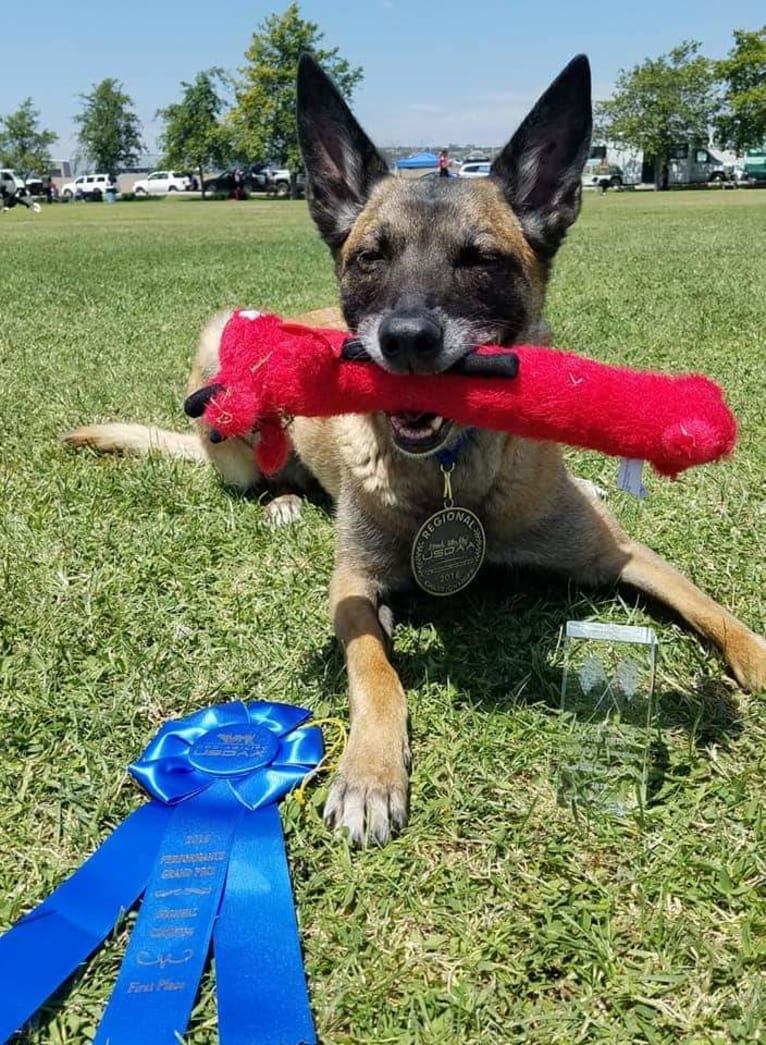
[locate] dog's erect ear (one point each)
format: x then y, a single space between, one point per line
342 164
540 168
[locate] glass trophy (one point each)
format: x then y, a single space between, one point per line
609 708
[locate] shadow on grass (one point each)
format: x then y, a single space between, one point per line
307 490
498 644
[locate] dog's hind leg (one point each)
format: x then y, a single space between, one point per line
118 437
234 459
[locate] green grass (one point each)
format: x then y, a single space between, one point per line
134 591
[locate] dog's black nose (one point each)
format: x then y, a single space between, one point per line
410 339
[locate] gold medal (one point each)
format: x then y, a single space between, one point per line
448 551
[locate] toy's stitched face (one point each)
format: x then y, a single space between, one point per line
430 269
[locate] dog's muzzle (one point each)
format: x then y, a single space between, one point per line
419 434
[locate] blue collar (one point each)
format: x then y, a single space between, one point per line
448 455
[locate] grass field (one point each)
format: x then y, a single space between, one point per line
134 591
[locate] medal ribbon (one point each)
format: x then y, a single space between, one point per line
208 855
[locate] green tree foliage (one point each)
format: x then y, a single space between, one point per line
742 124
662 103
193 136
23 146
263 119
110 132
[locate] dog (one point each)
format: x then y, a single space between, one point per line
13 192
426 271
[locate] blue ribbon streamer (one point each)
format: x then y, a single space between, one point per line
258 917
45 947
209 856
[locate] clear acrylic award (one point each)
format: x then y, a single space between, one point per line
609 707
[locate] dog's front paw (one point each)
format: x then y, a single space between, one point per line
283 510
368 795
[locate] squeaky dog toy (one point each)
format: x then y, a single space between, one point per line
271 371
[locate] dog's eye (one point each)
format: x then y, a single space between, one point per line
470 255
367 260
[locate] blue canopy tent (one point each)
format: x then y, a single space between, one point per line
418 161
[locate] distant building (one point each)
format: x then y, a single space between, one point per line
59 169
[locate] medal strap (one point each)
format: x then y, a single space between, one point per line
447 458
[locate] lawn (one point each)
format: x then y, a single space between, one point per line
134 591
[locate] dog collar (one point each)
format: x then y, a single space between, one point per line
448 455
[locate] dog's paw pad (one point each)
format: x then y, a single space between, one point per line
283 510
593 490
370 814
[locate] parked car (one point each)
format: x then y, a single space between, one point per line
12 189
731 173
259 178
224 182
474 170
87 187
610 177
159 183
755 167
278 182
35 185
12 183
741 176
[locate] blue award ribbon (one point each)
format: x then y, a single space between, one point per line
208 856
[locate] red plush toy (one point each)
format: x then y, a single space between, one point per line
271 370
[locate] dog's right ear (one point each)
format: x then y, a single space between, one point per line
540 168
342 164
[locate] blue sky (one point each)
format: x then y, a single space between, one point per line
454 70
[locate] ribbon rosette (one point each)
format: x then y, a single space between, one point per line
207 854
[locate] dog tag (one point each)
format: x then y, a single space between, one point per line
448 551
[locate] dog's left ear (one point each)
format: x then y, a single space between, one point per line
540 168
342 164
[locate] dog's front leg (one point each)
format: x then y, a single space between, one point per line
369 793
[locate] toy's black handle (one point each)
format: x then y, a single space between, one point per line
195 404
501 364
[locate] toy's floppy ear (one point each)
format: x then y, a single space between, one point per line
540 168
342 164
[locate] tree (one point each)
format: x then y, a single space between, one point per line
263 119
193 135
742 124
110 132
662 103
23 145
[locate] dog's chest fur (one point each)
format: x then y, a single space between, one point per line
385 497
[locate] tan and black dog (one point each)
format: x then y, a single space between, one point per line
427 270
